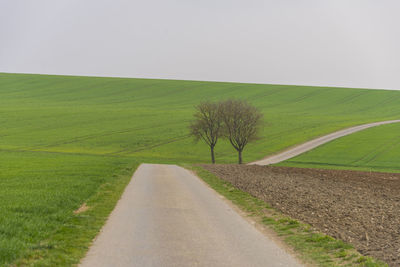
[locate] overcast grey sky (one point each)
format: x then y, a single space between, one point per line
354 43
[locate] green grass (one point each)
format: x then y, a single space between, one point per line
374 149
148 119
312 247
66 140
38 194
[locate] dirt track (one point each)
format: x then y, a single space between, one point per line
361 208
297 150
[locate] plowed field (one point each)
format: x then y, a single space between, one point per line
361 208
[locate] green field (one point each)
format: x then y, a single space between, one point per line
375 149
69 140
39 191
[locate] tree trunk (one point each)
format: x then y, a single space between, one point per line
240 157
212 155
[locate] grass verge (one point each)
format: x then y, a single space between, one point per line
70 242
312 247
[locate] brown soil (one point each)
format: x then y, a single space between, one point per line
81 209
361 208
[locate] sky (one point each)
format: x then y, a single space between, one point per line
350 43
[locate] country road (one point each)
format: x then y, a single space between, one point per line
168 217
297 150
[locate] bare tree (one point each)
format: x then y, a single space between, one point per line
207 125
242 122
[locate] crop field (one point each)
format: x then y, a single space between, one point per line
65 141
148 119
375 149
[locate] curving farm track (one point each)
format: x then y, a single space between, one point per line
300 149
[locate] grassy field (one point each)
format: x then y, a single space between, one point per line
375 149
67 140
148 119
39 192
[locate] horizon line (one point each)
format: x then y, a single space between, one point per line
194 80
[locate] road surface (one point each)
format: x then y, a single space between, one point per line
168 217
293 152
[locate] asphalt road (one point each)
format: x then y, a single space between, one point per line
168 217
293 152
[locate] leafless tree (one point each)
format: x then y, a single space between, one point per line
207 125
241 123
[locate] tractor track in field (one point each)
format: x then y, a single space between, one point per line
350 98
58 152
374 154
165 142
385 149
92 136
